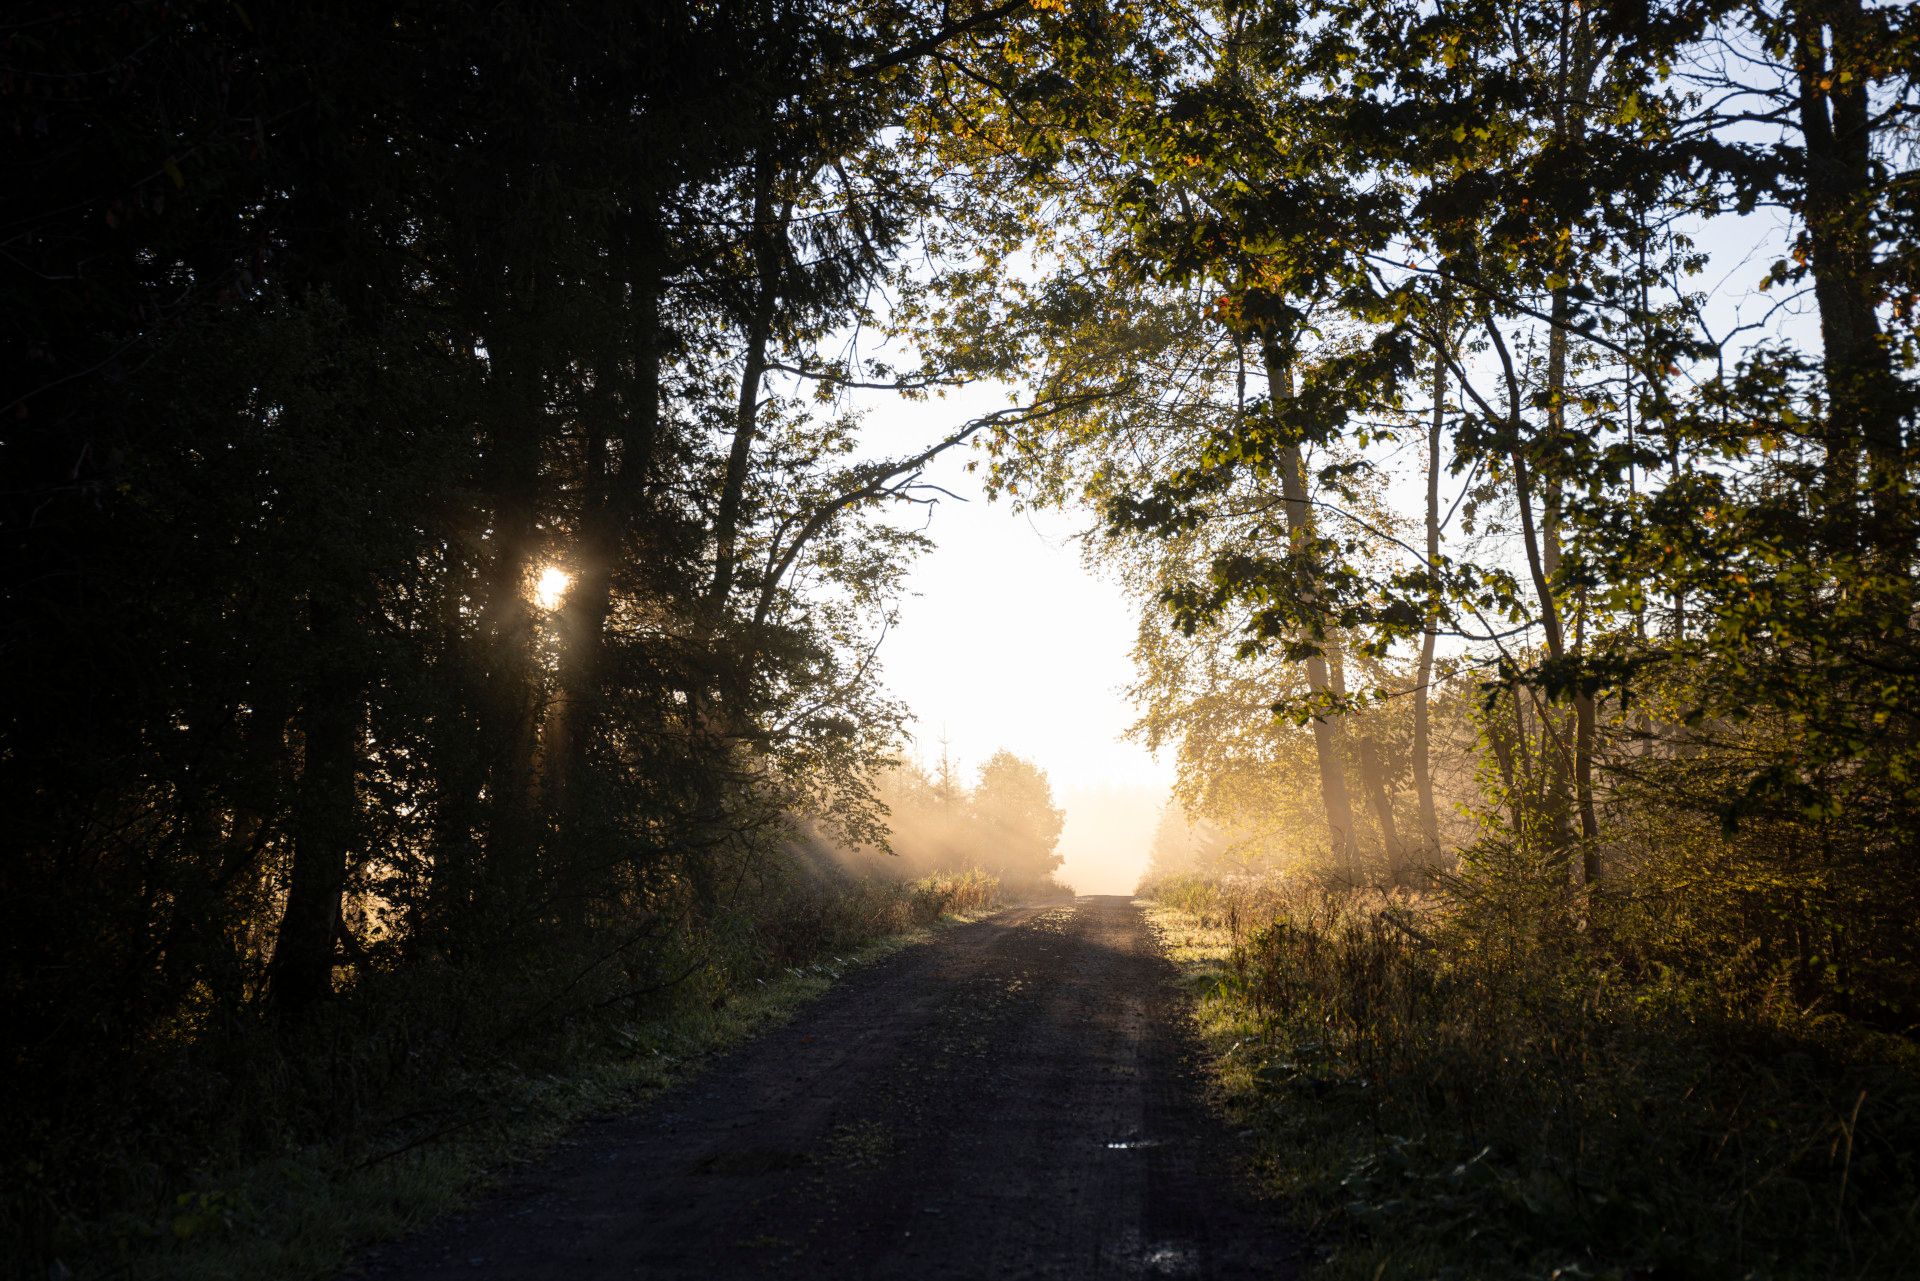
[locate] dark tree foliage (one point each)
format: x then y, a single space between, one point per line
408 474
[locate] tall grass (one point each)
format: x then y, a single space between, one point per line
1452 1086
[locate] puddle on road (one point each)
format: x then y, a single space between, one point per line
1171 1261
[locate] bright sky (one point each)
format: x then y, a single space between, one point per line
1009 641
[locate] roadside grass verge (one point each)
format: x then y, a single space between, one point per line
304 1208
1437 1103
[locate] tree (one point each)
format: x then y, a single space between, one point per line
1514 186
1019 826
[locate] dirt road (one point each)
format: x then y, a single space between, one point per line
1013 1099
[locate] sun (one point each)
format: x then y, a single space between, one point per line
553 584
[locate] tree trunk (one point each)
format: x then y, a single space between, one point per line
325 816
511 701
456 752
1423 679
1326 732
769 242
1556 437
198 915
1502 756
1580 767
1373 779
581 621
1583 739
1524 772
613 498
1558 765
1835 41
1575 768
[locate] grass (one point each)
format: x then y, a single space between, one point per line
306 1210
1434 1102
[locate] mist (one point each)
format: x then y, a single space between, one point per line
1108 835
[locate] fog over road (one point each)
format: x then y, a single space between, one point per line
1013 1099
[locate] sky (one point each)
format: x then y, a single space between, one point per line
1008 641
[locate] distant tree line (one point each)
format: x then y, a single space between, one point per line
1006 825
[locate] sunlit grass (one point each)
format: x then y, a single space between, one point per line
1423 1113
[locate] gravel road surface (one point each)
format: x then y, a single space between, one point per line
1015 1098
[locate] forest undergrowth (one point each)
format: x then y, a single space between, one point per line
1435 1093
260 1156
